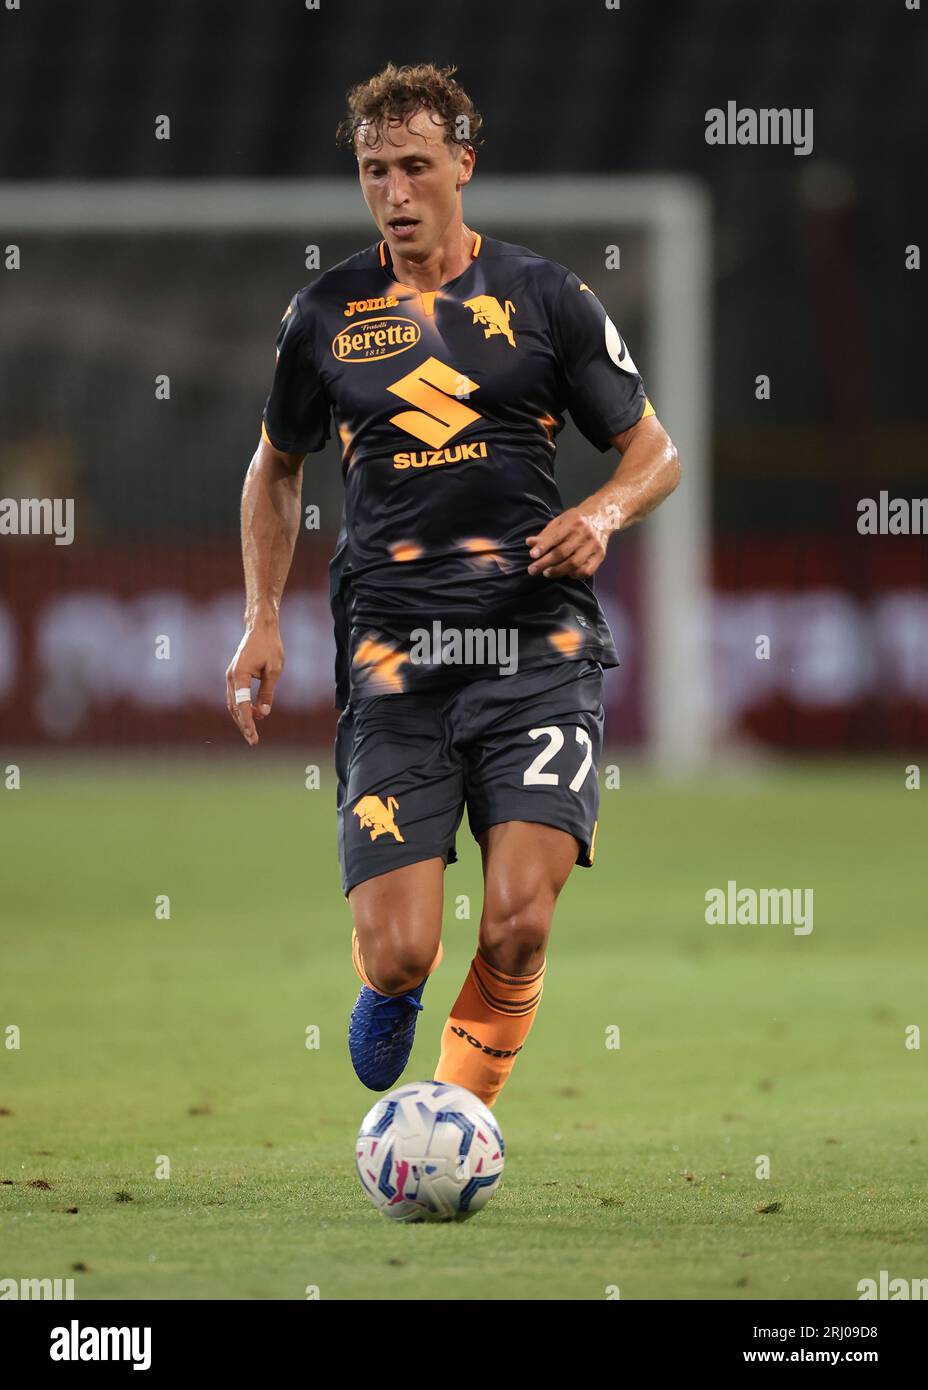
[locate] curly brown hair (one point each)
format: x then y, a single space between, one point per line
396 93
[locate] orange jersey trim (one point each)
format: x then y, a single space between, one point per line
382 252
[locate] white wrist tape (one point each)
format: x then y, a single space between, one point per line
243 695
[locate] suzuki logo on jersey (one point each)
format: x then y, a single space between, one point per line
492 316
370 339
377 817
370 306
434 389
427 458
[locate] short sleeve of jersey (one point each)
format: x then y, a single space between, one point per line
296 415
605 394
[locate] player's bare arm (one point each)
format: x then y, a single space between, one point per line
270 525
573 545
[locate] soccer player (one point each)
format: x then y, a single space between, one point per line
470 643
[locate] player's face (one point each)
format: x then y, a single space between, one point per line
411 181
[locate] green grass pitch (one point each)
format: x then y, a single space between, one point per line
630 1168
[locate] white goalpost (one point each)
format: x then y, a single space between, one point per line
672 210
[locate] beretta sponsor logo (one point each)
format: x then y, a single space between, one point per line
369 339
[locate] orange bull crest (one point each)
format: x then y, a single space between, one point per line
377 817
492 315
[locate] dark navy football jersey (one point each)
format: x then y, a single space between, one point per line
447 403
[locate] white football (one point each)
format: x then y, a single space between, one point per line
429 1151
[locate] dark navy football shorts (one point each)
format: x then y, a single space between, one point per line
521 747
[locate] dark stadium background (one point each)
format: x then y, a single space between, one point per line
809 285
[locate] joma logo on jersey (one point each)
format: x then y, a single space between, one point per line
377 817
375 338
370 306
428 458
492 316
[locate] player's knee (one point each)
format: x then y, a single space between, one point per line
398 974
514 933
395 963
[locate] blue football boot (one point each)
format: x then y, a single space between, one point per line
380 1034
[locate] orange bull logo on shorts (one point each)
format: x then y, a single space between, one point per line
494 318
377 817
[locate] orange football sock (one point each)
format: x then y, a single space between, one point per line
486 1031
358 962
